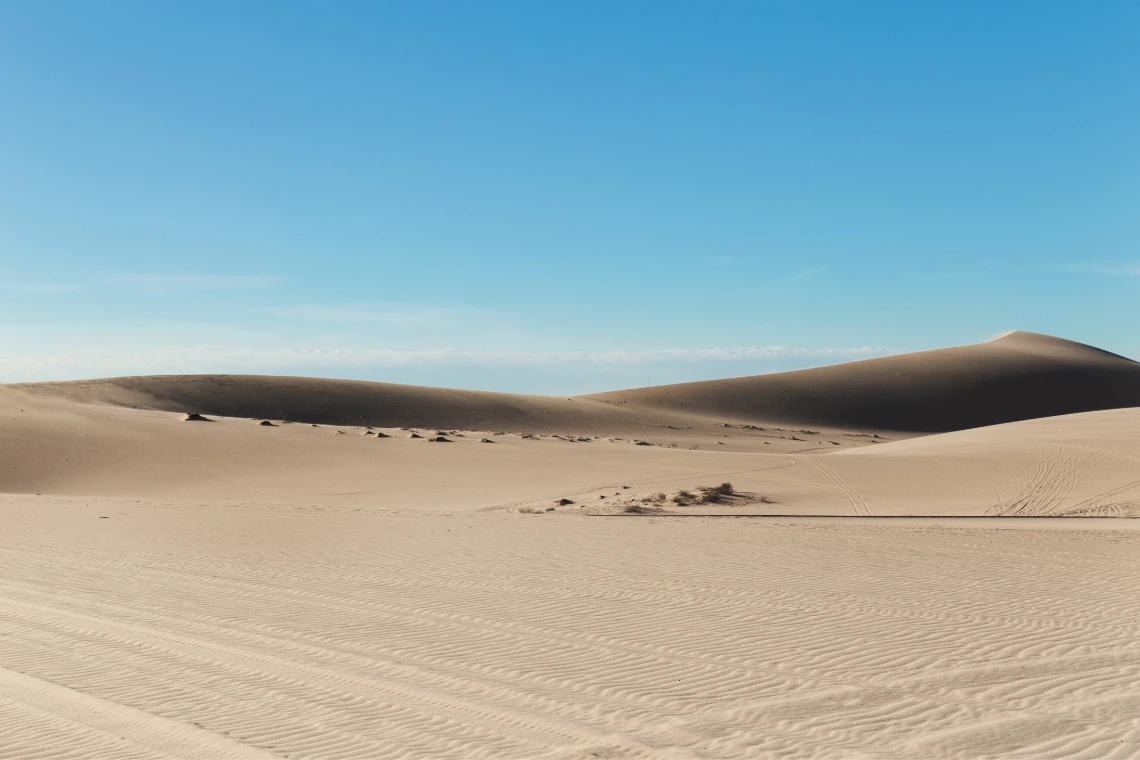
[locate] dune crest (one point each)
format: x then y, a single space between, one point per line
1018 376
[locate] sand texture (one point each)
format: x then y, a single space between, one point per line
336 569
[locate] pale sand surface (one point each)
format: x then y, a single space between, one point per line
210 630
309 590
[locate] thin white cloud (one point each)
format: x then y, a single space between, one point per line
805 274
165 283
40 286
396 314
217 359
1110 270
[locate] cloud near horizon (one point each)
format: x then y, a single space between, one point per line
1111 270
206 359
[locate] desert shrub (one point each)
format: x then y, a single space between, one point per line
711 496
725 489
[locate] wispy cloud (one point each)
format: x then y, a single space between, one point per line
724 261
1110 270
149 283
165 283
221 359
41 286
804 274
403 315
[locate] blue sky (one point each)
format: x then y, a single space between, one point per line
559 197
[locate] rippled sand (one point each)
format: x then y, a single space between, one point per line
195 631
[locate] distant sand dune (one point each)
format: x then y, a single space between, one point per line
1081 464
1018 376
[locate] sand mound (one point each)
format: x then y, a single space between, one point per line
1018 376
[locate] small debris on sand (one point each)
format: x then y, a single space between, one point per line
439 439
195 417
382 435
368 432
266 423
642 443
563 502
415 435
485 440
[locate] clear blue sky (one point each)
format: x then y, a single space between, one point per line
558 197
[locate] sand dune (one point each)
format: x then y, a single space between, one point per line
55 440
309 589
1082 464
1019 376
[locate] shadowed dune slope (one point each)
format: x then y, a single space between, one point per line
346 402
1019 376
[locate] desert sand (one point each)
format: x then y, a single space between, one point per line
921 556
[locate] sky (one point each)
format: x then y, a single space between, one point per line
559 197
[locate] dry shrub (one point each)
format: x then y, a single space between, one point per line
711 496
637 509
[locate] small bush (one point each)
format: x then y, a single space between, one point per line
725 489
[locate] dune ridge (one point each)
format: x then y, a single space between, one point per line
1018 376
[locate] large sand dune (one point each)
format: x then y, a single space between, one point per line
1019 376
309 589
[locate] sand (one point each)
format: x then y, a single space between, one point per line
190 589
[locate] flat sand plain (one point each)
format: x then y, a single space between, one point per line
309 589
139 630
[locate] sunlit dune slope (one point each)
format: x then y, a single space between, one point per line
1019 376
